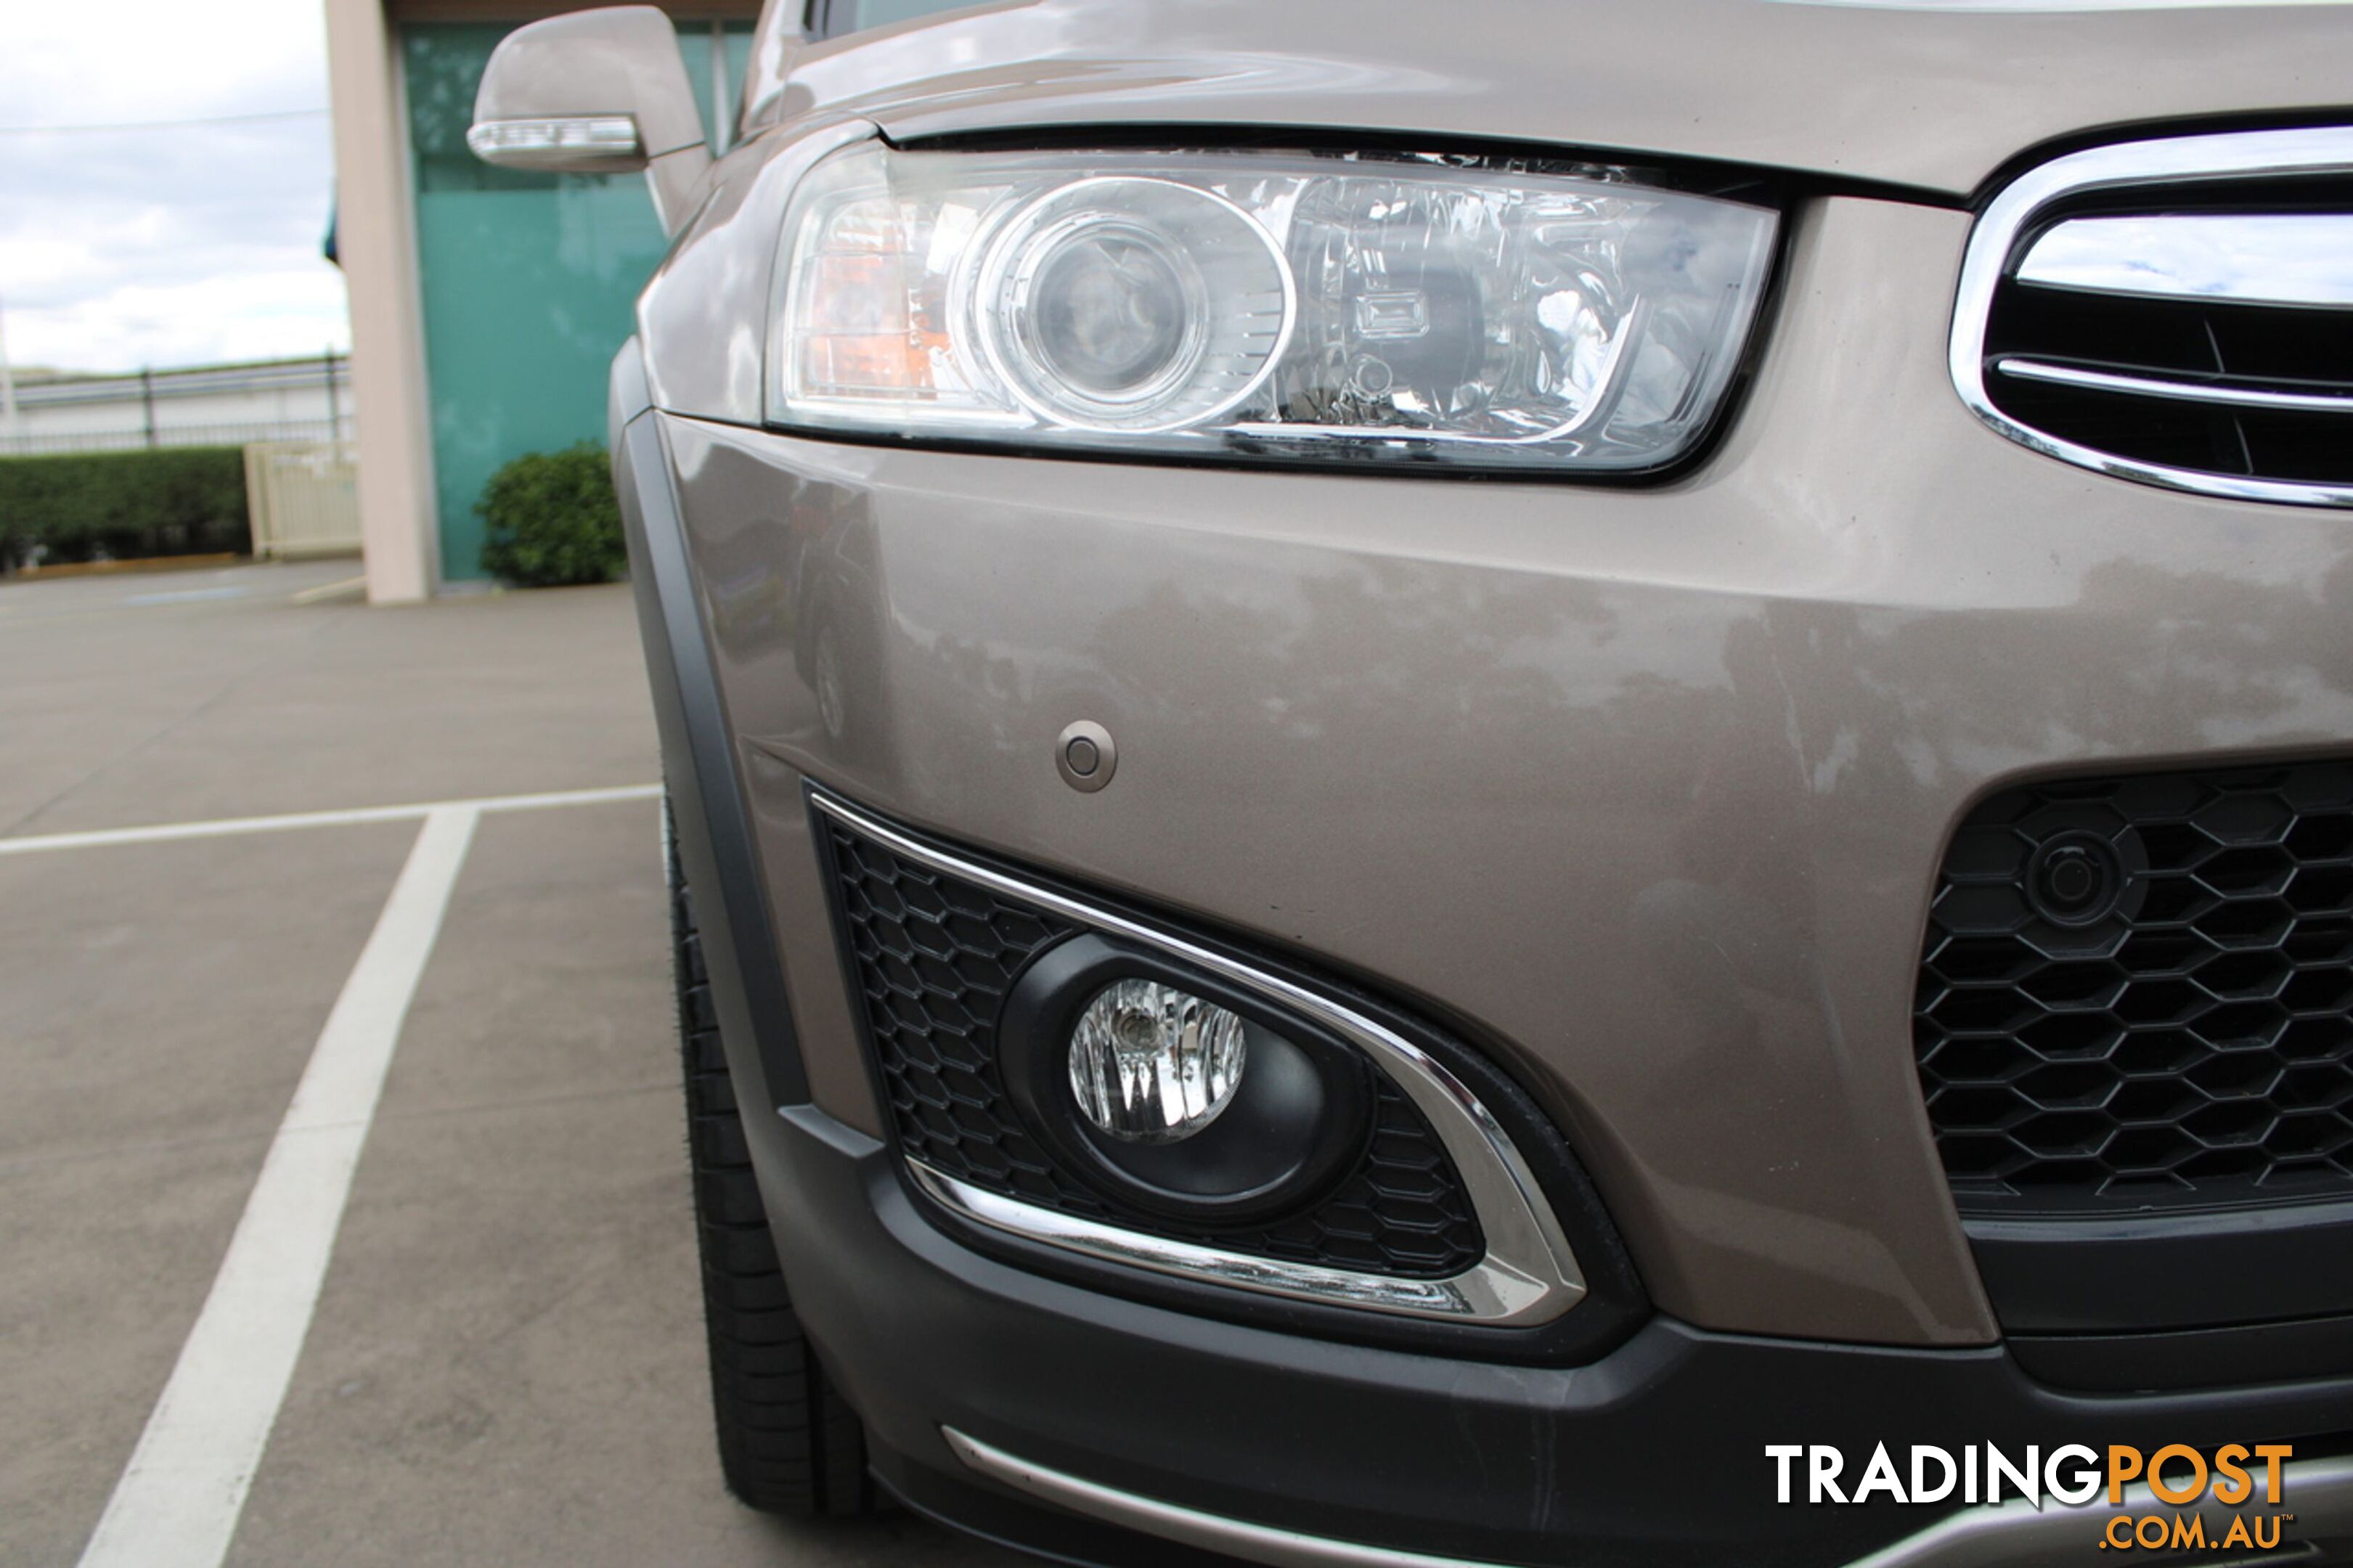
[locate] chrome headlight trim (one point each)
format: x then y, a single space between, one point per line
1529 1274
2174 160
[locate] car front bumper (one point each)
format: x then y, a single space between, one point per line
1653 1456
1643 790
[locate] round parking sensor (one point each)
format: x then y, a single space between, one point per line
2076 879
1085 756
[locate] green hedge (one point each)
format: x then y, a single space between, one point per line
121 505
552 521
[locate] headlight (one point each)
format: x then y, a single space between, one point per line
1247 305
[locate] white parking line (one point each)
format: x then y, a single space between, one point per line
224 826
183 596
177 1503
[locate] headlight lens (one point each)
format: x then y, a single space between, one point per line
1131 305
1262 305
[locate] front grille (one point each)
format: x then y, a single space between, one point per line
2178 312
2138 992
934 958
2214 387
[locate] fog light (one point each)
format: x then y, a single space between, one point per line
1132 1069
1151 1064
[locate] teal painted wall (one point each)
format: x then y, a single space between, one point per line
528 280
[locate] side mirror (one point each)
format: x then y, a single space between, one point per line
596 92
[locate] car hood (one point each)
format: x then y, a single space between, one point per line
1936 96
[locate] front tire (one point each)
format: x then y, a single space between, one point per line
788 1443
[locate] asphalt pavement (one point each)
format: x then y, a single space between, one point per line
499 1354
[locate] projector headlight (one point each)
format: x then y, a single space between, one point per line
1262 305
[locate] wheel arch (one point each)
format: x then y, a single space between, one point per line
699 764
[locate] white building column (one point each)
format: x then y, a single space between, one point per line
375 244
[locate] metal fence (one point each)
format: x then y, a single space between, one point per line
303 498
208 406
27 443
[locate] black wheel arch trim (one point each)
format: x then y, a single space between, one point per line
707 800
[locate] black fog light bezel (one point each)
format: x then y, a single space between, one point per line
1298 1123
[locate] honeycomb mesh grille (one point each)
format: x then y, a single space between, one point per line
934 958
2135 991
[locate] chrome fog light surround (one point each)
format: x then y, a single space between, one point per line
1529 1274
1492 1292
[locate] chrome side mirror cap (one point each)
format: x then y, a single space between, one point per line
602 92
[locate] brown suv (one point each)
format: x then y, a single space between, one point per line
1507 784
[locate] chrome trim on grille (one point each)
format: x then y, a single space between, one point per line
1529 1275
1236 1538
2215 392
2248 258
2180 160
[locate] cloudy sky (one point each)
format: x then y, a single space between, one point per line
185 244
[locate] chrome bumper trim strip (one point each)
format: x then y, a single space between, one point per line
1530 1274
1211 1532
2318 1493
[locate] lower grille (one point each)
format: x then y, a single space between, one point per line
934 958
2138 992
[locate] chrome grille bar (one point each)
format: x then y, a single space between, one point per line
2256 258
2215 392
